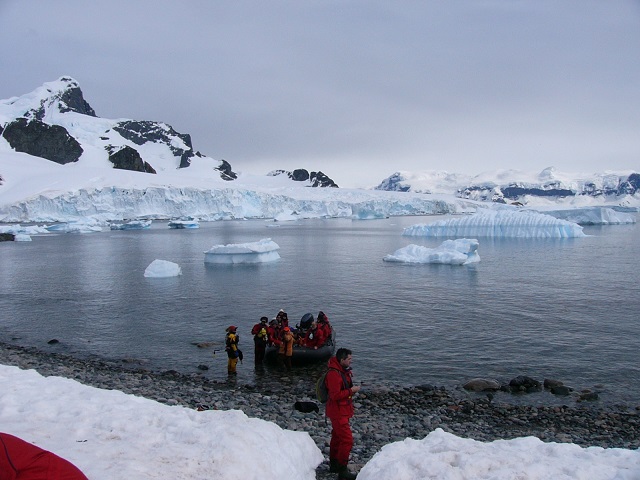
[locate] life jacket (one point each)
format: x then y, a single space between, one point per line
260 338
231 343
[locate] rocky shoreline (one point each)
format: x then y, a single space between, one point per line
383 415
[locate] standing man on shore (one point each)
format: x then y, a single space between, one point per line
339 410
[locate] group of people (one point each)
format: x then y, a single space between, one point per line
280 334
338 380
310 333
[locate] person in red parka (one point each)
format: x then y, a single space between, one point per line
324 325
339 410
314 337
20 460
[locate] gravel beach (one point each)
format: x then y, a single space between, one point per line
384 414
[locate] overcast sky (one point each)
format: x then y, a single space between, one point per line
357 89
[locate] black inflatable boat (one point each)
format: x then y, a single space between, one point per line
302 355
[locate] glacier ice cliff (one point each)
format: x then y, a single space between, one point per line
117 204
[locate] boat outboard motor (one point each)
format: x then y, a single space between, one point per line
305 321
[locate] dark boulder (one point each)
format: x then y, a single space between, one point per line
128 158
36 138
560 390
588 396
482 385
7 237
550 383
523 383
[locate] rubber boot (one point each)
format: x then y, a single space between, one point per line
334 466
345 474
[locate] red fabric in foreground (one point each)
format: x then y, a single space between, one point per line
20 460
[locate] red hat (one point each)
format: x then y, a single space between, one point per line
232 329
287 329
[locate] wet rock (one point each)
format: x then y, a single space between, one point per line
560 390
482 385
550 383
523 383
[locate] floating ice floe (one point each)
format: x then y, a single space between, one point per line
461 251
18 229
265 250
499 223
286 217
22 237
88 225
184 223
591 215
162 269
132 225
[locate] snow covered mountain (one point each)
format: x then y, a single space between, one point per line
60 162
548 187
55 122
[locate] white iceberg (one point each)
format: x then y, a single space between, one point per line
504 222
184 223
461 251
591 215
265 250
22 237
26 230
88 225
162 269
132 225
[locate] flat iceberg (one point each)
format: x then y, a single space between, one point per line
184 223
88 225
18 229
131 225
591 215
162 269
504 222
461 251
22 237
265 250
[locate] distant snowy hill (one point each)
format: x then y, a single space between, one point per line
621 189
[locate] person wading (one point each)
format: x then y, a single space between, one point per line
231 346
339 410
260 339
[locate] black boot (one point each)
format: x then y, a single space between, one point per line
334 466
345 474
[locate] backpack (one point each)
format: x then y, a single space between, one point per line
322 393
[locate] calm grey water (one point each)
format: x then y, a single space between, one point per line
565 308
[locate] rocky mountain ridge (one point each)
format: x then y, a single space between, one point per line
56 123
